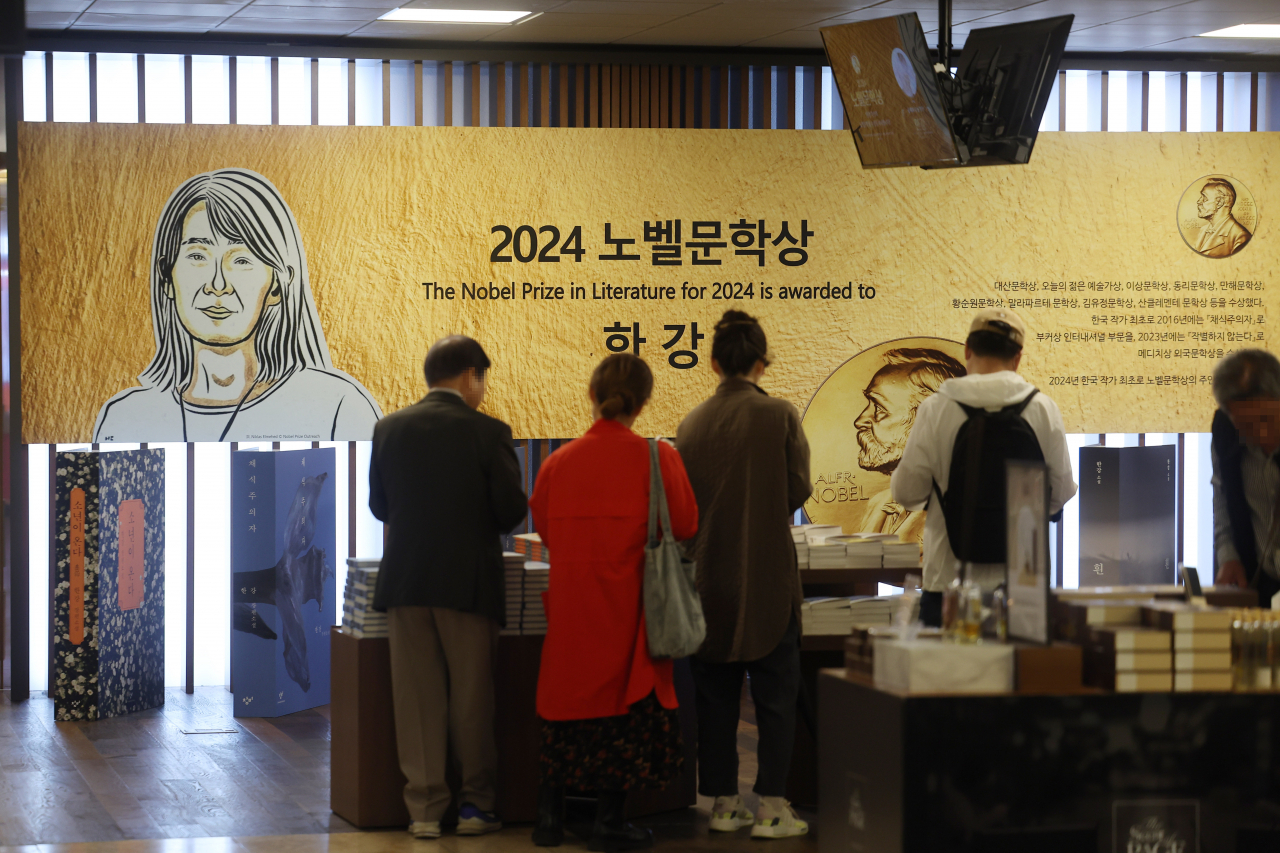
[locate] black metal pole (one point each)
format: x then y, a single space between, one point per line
19 535
944 35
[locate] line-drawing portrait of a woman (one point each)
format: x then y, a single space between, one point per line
240 353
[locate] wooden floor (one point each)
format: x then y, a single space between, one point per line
137 784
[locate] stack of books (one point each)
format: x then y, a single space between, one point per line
820 532
873 609
1201 644
359 619
828 616
530 545
828 555
862 553
802 545
825 616
1076 616
901 555
526 580
1129 659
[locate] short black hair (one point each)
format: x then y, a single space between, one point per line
1246 374
986 344
738 343
453 356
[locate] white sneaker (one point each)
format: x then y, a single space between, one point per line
777 820
729 814
425 829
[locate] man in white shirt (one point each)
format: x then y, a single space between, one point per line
993 352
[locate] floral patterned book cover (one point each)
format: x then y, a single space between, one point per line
109 591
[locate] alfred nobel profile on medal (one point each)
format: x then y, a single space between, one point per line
1222 236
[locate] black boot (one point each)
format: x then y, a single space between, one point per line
549 830
611 833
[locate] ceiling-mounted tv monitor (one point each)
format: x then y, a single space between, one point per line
903 112
1006 75
890 93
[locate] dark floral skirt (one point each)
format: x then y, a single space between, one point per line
640 749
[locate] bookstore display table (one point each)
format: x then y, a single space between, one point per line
1081 772
823 651
367 786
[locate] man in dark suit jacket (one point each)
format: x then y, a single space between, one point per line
445 480
1246 471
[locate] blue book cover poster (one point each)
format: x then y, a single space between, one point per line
282 564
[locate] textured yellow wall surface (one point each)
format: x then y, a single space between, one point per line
383 209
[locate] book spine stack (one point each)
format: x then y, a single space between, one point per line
531 547
359 619
1129 659
526 581
1201 644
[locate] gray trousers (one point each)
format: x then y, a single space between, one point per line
442 684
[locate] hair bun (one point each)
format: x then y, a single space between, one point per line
621 384
734 317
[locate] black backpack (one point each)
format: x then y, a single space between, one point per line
974 504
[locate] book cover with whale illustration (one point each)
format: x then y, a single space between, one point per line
282 577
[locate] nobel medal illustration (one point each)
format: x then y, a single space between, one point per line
857 425
1217 216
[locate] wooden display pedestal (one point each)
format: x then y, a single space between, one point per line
367 785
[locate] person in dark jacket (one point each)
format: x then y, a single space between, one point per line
1246 472
445 480
748 461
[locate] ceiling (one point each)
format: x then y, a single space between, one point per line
1101 26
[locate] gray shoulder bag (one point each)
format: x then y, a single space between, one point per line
672 609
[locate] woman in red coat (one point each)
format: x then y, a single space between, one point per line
608 709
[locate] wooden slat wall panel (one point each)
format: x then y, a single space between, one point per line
724 78
315 90
446 73
476 114
499 107
521 91
564 73
786 98
598 95
544 114
616 96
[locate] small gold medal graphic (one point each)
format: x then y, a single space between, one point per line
857 424
1217 216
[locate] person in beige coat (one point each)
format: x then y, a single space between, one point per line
748 461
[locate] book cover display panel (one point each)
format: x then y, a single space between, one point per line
109 587
282 574
1128 525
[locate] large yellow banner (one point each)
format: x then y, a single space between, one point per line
241 283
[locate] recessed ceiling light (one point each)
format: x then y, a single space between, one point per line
453 16
1247 31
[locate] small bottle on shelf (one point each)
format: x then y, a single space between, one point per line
951 611
1259 635
1000 614
1238 651
971 612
